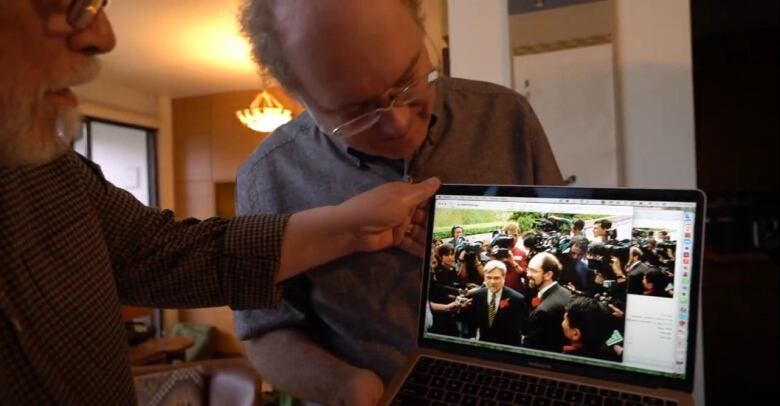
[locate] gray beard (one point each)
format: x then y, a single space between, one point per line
33 132
24 143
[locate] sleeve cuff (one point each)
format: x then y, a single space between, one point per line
253 247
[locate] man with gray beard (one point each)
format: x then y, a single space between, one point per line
73 247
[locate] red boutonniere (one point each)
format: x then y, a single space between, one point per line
503 303
535 301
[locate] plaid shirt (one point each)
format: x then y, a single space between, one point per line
73 248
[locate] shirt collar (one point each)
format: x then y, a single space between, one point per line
498 295
545 289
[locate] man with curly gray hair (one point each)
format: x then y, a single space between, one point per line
377 109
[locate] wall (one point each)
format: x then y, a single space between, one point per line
654 93
479 40
210 146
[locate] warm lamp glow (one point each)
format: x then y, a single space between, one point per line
265 113
215 44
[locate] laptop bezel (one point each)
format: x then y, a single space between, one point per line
538 362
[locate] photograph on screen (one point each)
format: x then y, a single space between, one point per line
538 280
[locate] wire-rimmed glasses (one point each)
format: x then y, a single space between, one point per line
405 96
81 13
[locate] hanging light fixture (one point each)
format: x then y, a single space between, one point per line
265 113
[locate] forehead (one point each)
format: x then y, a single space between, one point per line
536 262
348 53
495 272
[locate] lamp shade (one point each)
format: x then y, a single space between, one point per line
265 113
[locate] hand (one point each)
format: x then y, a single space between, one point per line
414 238
615 311
512 264
599 279
390 215
457 305
616 266
363 388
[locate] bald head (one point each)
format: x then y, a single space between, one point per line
344 59
543 269
293 37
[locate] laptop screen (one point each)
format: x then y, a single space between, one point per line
589 279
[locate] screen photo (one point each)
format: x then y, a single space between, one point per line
590 281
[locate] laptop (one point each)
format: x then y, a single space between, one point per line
646 353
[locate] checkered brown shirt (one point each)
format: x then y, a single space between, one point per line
73 247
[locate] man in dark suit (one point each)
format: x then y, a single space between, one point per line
636 271
544 329
575 273
497 311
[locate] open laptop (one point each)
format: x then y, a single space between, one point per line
650 350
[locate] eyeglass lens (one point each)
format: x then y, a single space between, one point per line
81 13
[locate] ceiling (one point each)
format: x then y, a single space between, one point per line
178 48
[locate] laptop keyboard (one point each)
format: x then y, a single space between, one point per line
440 382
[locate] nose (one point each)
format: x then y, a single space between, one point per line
395 121
96 38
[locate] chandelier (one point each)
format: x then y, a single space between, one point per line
265 113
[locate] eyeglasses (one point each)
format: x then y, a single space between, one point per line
364 121
81 13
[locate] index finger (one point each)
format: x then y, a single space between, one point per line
422 191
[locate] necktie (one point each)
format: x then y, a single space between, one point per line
492 310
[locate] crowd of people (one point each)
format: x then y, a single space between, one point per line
545 290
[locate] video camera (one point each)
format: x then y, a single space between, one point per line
553 242
551 224
665 259
501 244
618 249
564 244
666 245
607 298
471 248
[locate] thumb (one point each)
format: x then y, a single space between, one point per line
422 191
